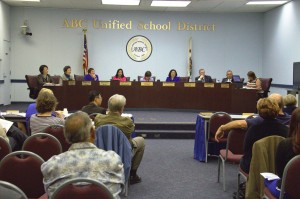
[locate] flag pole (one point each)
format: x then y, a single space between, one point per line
85 58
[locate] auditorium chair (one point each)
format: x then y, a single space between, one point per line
43 144
233 152
4 148
32 86
78 77
184 79
23 169
11 191
290 180
265 85
79 188
58 132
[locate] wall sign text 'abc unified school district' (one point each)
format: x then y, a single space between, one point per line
139 48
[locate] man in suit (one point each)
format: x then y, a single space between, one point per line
229 77
202 77
95 100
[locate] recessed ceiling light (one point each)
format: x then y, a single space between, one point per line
266 2
170 3
121 2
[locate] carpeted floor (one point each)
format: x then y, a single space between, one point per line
168 170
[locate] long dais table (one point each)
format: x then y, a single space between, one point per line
161 95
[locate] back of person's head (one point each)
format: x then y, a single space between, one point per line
278 98
45 102
148 74
46 90
251 74
267 108
90 70
294 132
66 68
41 69
116 103
78 127
289 100
93 94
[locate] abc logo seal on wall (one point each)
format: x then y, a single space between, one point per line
139 48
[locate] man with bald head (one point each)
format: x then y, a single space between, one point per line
83 159
116 104
282 117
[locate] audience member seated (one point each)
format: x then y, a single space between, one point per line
116 104
268 109
44 78
290 102
119 76
45 104
229 77
147 77
32 108
67 74
203 78
286 150
95 100
173 76
251 121
91 76
253 81
14 136
83 159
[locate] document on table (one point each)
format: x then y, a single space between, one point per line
6 124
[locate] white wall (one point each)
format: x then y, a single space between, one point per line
236 44
4 35
281 42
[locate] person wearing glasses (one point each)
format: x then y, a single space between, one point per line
95 100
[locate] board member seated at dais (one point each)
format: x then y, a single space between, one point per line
91 76
203 78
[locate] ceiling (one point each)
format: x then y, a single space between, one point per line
198 6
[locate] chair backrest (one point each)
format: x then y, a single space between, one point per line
43 144
214 80
235 141
4 148
56 79
78 77
290 180
11 191
79 188
216 120
128 79
184 79
32 85
58 132
109 137
265 85
242 79
23 169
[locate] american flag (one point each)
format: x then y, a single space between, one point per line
85 57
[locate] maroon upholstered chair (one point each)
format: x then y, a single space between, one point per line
184 79
233 152
265 85
4 148
32 86
11 191
43 144
23 169
78 77
56 79
58 132
79 188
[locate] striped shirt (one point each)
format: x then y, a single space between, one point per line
251 84
39 123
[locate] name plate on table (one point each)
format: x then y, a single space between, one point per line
146 83
125 83
86 83
104 83
189 84
12 112
224 85
168 84
209 85
71 83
